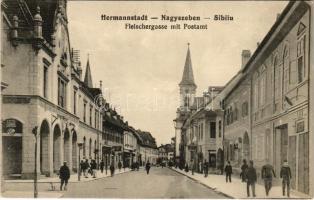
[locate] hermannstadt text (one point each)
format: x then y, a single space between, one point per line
187 22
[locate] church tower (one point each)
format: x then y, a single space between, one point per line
88 75
187 94
187 84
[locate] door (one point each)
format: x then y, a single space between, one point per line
12 155
280 146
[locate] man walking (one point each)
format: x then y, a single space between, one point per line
267 175
251 178
147 167
112 169
205 168
93 167
102 165
243 169
285 174
119 165
228 170
64 175
192 166
86 168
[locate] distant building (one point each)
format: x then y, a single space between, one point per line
148 147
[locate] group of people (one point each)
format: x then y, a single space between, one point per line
248 175
87 167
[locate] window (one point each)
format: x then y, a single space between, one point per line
96 119
256 94
245 109
219 128
277 79
61 92
235 115
287 71
212 129
84 112
90 114
74 100
300 59
45 83
263 88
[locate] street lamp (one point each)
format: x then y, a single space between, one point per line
34 131
80 145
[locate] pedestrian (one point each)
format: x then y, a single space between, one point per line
64 175
82 166
205 168
267 175
200 164
86 168
251 178
147 167
119 165
192 166
285 174
112 169
228 170
102 165
93 167
243 169
186 167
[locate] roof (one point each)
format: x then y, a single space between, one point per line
147 139
188 77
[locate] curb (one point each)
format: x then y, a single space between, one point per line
214 189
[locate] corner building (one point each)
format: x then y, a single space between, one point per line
45 93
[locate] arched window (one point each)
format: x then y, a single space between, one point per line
263 85
84 147
245 109
277 78
90 147
287 77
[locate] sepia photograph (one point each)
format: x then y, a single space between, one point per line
157 99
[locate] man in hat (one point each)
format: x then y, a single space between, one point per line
285 174
64 175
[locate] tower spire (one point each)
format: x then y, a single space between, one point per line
188 77
88 75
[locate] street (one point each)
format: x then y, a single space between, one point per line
160 183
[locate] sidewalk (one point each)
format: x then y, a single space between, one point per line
48 187
30 194
237 189
73 177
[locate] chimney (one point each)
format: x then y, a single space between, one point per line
246 54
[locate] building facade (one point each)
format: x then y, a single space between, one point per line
46 93
275 82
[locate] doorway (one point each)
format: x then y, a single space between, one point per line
280 146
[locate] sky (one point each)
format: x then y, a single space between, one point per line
141 69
